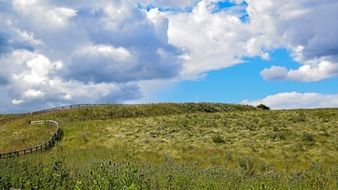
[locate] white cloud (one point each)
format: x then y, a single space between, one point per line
31 83
174 3
97 51
16 102
319 70
290 100
45 59
275 73
42 15
307 28
100 63
33 93
214 41
28 37
27 67
104 63
118 54
312 70
218 40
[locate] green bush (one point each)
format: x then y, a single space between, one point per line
307 137
263 107
277 135
218 139
247 165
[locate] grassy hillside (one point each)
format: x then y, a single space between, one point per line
15 136
4 116
180 146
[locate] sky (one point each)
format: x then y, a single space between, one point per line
280 53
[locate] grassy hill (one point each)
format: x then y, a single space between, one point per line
176 146
4 116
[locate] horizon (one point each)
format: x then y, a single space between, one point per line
281 54
72 106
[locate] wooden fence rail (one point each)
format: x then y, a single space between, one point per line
2 121
44 146
50 142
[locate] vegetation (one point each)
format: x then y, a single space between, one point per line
15 137
4 116
180 146
263 107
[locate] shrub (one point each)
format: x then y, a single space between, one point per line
247 165
218 139
308 137
277 135
263 107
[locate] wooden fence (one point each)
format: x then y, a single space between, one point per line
42 147
2 121
50 142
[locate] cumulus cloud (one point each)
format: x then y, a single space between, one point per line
12 38
40 12
70 52
215 40
275 73
312 70
33 93
211 41
130 46
32 83
60 52
174 3
106 63
99 63
291 100
307 28
16 102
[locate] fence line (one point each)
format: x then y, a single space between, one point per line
42 147
2 121
74 106
50 142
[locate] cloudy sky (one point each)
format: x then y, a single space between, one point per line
281 53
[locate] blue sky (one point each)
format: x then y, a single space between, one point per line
280 53
243 81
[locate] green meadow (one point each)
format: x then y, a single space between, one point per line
175 146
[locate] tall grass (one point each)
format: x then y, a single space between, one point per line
25 174
188 146
14 137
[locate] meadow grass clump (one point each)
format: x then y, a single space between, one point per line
218 139
277 135
247 165
22 136
307 137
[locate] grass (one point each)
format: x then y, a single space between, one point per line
19 137
182 146
32 174
4 116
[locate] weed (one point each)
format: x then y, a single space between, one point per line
218 139
307 137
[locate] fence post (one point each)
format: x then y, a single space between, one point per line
50 143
